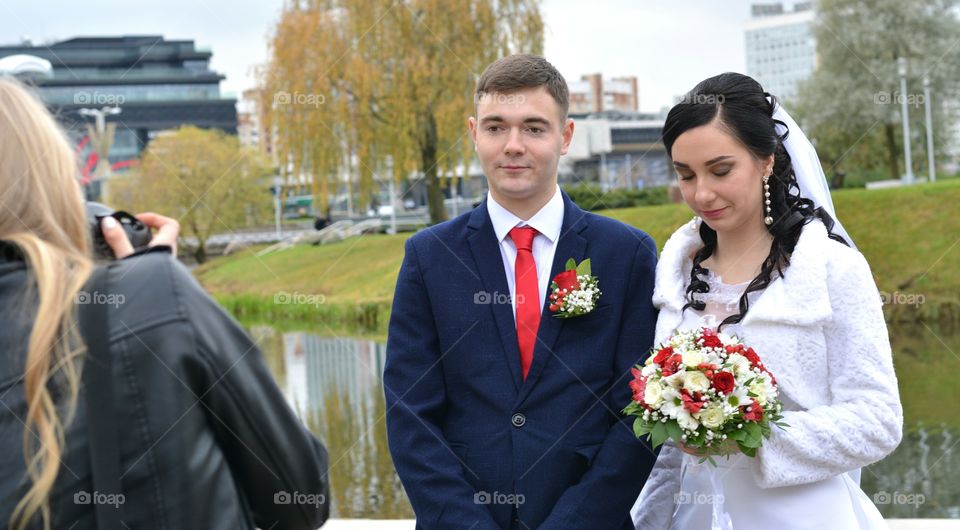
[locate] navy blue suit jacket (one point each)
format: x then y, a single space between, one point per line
474 444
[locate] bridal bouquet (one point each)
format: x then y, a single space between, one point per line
705 390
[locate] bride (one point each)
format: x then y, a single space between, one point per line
766 260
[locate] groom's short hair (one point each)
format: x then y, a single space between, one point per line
517 72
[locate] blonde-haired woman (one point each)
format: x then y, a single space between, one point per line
205 438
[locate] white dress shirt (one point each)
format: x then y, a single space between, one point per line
547 222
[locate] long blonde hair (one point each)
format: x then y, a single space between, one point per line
42 213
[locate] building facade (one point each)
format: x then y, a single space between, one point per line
780 46
594 94
148 83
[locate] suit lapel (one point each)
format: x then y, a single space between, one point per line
571 244
486 254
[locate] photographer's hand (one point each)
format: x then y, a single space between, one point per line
167 230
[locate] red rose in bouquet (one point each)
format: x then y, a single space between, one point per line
724 382
663 355
711 340
753 412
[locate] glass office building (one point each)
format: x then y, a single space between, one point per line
158 85
780 46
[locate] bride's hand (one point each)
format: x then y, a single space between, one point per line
728 447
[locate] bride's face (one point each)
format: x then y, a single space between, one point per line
720 180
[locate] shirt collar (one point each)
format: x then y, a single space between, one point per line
548 220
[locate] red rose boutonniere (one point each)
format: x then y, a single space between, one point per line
574 292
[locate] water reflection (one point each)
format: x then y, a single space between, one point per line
334 384
317 365
920 479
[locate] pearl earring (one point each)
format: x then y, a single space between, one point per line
768 220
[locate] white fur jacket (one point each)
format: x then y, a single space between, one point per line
820 330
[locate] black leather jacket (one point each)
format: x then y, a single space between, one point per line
207 440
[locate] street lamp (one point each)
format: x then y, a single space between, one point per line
926 105
392 189
277 189
908 177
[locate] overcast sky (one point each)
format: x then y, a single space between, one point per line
669 46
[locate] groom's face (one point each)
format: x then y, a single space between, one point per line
519 138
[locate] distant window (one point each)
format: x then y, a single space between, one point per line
196 66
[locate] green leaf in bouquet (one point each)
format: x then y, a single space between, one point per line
675 432
765 429
584 267
749 451
571 265
754 435
640 427
738 435
659 434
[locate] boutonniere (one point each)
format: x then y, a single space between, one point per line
574 292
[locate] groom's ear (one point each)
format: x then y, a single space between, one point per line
472 126
567 132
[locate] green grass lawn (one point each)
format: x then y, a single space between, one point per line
361 269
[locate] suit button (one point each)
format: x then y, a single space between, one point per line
518 420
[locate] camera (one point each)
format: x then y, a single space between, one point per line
137 232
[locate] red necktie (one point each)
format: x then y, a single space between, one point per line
527 287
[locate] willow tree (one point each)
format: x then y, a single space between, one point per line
375 89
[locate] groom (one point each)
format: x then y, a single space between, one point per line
500 415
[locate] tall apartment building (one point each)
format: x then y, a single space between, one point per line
780 46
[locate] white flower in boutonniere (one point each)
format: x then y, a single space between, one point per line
574 292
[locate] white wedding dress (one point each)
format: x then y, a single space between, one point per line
836 503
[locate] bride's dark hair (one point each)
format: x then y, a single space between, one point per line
745 111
